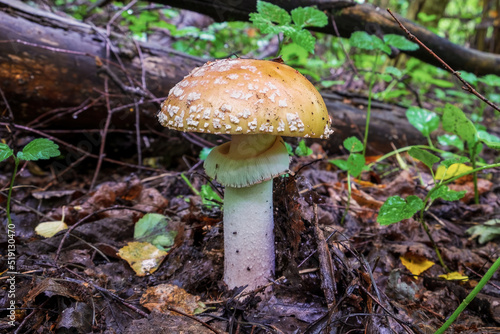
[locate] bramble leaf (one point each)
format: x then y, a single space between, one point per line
40 148
304 38
309 17
271 13
400 42
395 209
362 40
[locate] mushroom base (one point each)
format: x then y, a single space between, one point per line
248 235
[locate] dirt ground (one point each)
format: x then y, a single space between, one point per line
75 281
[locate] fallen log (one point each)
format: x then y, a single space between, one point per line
55 73
349 17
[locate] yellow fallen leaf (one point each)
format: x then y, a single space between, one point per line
143 257
454 276
416 264
456 169
49 229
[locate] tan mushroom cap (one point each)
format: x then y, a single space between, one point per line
246 96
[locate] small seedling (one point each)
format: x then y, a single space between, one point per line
37 149
363 40
354 165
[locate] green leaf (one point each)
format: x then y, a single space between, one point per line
355 164
289 149
451 140
400 42
458 160
490 140
395 209
486 232
455 121
5 151
394 71
471 78
153 228
447 194
491 80
304 38
425 157
309 17
205 152
40 148
272 13
353 144
342 164
209 197
302 150
423 120
362 40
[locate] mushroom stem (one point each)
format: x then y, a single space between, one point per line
248 235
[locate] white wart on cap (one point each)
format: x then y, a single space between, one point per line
246 96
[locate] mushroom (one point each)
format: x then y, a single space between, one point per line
256 102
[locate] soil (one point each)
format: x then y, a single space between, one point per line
75 281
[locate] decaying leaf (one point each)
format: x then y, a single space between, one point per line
164 296
143 257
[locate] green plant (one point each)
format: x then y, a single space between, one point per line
37 149
354 165
396 208
363 40
209 197
470 296
272 19
465 134
302 150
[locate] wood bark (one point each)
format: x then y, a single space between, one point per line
351 17
53 72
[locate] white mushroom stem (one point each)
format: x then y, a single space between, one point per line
246 166
248 235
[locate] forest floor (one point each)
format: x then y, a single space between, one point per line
75 281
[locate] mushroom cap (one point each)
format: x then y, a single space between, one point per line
246 96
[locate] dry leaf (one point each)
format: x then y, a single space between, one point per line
160 297
416 264
143 257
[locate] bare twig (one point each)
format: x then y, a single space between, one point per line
466 86
170 308
62 142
